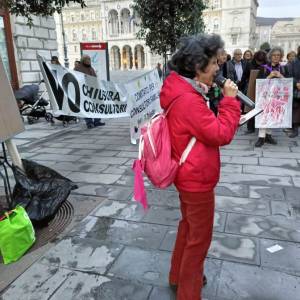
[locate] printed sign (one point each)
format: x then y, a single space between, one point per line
10 120
98 52
275 97
143 101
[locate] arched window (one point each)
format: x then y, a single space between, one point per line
115 58
125 21
113 23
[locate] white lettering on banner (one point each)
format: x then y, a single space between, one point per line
143 101
76 94
275 97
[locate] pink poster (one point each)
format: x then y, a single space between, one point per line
275 97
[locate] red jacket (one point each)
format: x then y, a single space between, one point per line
190 117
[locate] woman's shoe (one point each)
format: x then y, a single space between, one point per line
293 134
270 140
259 142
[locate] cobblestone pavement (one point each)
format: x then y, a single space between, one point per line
120 252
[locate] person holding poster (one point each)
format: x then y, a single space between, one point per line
194 68
294 69
272 69
85 67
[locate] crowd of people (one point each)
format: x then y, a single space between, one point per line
269 64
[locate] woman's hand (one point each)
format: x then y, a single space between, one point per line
275 74
230 89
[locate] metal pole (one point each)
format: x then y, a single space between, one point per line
64 41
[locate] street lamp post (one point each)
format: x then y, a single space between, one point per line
64 41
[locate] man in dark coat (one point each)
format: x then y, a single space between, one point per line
294 70
226 67
86 68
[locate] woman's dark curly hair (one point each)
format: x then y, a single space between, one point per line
194 54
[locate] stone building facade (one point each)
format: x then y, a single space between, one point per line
106 21
20 44
284 32
234 20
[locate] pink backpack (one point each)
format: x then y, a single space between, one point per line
155 157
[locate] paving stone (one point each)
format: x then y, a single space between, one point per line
128 154
233 190
123 148
116 170
109 208
83 151
110 192
162 293
38 282
273 227
246 147
235 248
243 205
231 168
235 153
296 181
252 179
84 146
252 282
80 167
150 266
281 155
82 254
141 235
109 153
267 193
60 151
58 157
163 215
264 170
94 178
286 260
278 162
104 160
282 209
163 198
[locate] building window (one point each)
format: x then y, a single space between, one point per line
92 15
74 35
234 39
84 36
216 4
75 48
94 34
82 17
216 24
72 18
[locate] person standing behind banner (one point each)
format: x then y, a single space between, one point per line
195 63
259 58
273 69
159 70
294 71
247 56
86 68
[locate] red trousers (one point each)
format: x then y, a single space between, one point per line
192 243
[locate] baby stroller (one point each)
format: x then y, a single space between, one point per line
31 102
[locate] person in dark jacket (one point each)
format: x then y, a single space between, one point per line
247 56
259 59
272 69
86 68
294 71
226 68
195 65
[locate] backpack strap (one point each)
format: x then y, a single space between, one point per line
187 150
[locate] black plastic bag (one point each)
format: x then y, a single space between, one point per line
41 191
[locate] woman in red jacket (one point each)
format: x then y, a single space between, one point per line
195 64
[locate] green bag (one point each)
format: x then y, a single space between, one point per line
16 234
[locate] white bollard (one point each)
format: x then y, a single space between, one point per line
14 154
